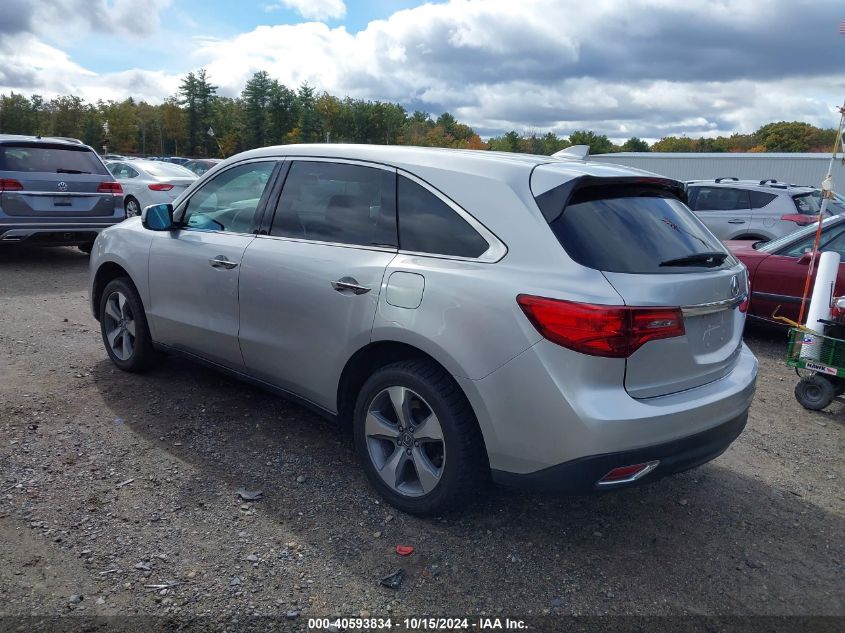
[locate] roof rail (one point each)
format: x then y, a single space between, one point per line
718 180
767 181
579 152
69 139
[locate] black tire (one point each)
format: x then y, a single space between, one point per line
465 469
143 355
131 207
814 392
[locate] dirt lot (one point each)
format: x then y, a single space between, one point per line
112 482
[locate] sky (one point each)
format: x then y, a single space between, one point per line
645 68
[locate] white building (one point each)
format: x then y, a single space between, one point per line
797 168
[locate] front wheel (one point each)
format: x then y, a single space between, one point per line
123 326
418 439
815 392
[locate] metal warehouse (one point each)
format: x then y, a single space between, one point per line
796 168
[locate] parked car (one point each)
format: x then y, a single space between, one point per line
548 321
201 165
778 269
54 192
177 160
755 210
147 182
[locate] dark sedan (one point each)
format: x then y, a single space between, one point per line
778 269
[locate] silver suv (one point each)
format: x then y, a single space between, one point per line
55 191
756 210
551 322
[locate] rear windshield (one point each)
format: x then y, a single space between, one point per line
55 159
634 229
811 203
167 170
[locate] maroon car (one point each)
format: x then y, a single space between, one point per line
777 270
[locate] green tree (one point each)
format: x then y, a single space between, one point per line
198 95
309 119
256 96
634 144
17 115
599 143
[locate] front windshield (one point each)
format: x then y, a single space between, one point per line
770 247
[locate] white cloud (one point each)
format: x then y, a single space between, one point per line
314 9
659 67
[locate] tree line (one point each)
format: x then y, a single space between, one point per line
198 122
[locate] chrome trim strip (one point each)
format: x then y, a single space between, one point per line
649 467
63 194
776 297
715 306
285 238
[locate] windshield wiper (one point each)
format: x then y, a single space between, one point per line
709 259
62 170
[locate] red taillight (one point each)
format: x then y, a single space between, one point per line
110 187
800 219
10 184
160 187
597 330
743 307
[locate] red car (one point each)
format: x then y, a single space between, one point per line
777 270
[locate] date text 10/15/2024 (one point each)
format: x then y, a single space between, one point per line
417 624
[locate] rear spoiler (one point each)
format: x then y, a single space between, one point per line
554 201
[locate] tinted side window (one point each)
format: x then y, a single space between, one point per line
721 199
429 225
760 199
337 202
229 201
835 243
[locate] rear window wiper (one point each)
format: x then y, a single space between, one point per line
712 258
62 170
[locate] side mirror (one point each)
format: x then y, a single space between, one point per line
158 217
806 256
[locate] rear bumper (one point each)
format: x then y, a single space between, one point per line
53 233
582 475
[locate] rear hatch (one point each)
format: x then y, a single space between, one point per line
640 234
43 179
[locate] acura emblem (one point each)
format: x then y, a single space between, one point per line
62 186
734 287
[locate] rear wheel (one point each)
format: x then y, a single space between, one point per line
815 392
123 326
418 439
132 206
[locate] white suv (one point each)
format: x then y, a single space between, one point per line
755 210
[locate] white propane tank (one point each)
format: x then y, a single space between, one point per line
820 303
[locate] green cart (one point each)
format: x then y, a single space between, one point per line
823 365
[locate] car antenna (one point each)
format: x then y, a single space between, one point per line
578 152
827 194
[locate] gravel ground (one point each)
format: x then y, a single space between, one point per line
118 496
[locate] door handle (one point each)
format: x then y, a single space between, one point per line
736 221
350 284
222 262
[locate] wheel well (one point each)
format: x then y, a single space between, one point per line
362 365
105 274
750 236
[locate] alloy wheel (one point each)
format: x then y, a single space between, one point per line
405 441
132 208
119 326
